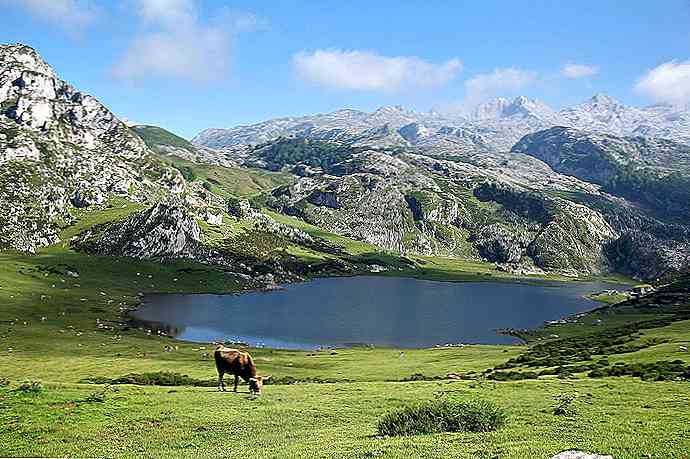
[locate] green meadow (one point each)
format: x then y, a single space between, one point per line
69 335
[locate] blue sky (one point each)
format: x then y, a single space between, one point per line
191 64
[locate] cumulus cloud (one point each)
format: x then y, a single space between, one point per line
72 15
578 70
368 71
668 83
177 44
503 81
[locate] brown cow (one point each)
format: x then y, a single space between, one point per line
239 364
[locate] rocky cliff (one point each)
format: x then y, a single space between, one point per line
61 149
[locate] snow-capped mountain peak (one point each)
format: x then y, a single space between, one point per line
501 107
496 124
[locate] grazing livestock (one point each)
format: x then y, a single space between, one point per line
240 365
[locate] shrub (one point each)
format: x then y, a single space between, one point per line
162 378
30 387
4 382
98 396
661 370
95 380
512 375
443 416
564 405
187 172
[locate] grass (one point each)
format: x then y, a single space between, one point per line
57 331
155 136
609 298
628 419
231 181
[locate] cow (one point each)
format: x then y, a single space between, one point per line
240 364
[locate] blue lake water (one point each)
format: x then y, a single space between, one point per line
382 311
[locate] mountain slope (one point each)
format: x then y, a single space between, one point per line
166 143
522 209
653 172
652 177
61 149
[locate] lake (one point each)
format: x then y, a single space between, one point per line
382 311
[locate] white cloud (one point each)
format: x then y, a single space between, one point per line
168 12
503 81
578 70
178 44
667 83
364 70
72 15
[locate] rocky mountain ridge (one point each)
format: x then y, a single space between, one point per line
496 124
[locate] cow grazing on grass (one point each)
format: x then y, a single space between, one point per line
239 364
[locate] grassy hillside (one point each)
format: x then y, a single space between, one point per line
229 181
65 331
155 136
224 181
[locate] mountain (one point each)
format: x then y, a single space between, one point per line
503 209
70 169
496 124
508 183
651 175
503 123
562 200
605 114
345 125
651 172
555 200
61 149
503 108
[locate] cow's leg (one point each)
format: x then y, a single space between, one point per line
221 383
236 380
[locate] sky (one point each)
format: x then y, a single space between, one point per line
187 65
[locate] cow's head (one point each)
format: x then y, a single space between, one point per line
255 384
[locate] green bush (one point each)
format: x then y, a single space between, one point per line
443 416
97 397
576 350
512 375
31 387
661 370
162 378
187 172
564 405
